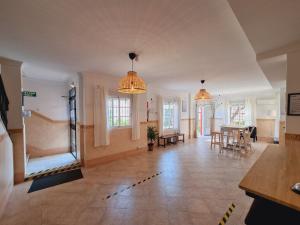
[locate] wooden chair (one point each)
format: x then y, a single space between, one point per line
246 141
216 139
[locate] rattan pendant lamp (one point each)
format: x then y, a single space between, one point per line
202 93
132 83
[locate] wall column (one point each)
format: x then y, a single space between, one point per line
12 79
293 86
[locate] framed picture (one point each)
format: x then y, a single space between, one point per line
293 104
184 106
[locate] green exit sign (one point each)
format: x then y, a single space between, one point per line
29 93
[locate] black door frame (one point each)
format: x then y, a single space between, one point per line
73 119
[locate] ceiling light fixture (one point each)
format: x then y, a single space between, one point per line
132 83
202 93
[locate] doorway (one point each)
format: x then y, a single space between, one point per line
51 138
203 115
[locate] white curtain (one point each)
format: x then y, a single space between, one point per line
250 112
226 112
101 131
178 114
160 114
135 118
196 119
253 115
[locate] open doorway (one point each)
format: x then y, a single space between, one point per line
204 114
50 126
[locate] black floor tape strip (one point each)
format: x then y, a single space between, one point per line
132 186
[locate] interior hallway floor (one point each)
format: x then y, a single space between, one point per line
196 186
49 162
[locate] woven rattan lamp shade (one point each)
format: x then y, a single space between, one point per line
202 95
132 84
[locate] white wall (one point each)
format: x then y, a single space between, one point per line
11 76
293 86
49 101
153 93
89 82
6 167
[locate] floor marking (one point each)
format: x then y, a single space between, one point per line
227 214
53 171
131 186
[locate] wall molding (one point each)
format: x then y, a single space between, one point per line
15 131
35 152
292 137
89 126
47 118
109 158
290 47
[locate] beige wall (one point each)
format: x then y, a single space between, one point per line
187 118
293 86
120 138
265 129
6 167
45 136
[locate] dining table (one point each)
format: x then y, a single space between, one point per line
226 129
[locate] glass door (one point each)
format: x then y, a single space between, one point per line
72 111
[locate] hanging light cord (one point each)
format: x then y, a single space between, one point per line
132 65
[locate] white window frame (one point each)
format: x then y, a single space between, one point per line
172 116
240 120
110 117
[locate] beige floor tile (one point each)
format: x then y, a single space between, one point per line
196 186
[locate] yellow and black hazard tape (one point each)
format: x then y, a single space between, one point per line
53 171
132 186
227 214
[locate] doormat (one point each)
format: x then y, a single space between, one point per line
56 179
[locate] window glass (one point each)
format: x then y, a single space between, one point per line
237 114
169 115
119 111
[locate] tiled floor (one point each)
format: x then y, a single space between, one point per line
196 187
48 162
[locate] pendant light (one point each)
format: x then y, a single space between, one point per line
202 93
132 83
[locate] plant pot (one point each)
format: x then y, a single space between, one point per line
150 146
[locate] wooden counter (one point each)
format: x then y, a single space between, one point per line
273 174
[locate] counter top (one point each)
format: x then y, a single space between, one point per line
273 174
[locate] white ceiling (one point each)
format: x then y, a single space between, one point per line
269 25
275 69
179 42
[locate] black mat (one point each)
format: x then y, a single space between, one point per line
56 179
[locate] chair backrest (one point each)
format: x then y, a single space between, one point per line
247 137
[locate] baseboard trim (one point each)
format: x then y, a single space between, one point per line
35 152
19 178
292 137
110 158
266 139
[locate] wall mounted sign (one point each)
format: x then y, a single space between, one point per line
294 104
29 93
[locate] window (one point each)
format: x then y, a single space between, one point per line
119 111
169 115
237 114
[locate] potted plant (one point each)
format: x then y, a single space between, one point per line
151 135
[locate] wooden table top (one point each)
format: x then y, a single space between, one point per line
234 127
273 174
